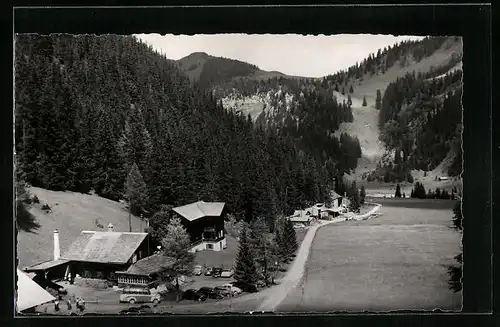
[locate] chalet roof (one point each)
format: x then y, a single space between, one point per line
200 209
29 293
300 218
149 265
46 265
104 247
335 195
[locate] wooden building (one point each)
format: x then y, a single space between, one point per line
145 272
204 222
96 255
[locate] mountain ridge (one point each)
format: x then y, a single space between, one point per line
354 85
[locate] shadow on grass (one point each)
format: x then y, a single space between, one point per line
24 219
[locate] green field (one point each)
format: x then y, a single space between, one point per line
397 261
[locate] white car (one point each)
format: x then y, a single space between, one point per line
198 270
231 288
139 295
227 273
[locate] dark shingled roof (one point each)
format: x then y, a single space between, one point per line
149 265
46 265
104 247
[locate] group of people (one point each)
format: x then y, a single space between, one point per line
79 302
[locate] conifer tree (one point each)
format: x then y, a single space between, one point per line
438 193
362 195
245 271
354 197
364 101
135 192
159 222
378 100
349 100
457 214
175 245
351 90
398 191
262 247
290 237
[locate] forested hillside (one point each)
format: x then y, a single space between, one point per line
420 119
303 109
88 110
402 54
207 70
416 86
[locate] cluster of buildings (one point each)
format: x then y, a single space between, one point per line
128 258
338 206
132 259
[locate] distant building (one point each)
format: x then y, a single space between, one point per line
95 255
145 272
339 202
204 222
443 178
301 217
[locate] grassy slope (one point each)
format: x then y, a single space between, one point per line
71 213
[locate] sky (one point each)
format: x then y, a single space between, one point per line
292 54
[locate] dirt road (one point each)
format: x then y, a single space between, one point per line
277 294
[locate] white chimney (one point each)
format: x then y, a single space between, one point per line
110 227
57 249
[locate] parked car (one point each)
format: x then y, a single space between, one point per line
210 293
223 291
194 295
299 226
208 271
137 310
227 273
197 271
228 289
261 284
139 295
245 287
216 272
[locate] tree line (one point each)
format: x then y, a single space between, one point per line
386 58
111 115
419 192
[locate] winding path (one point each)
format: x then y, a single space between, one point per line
294 275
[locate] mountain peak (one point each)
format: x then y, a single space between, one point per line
197 55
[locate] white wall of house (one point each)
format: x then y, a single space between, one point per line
211 246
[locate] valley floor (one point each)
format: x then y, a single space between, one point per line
397 261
